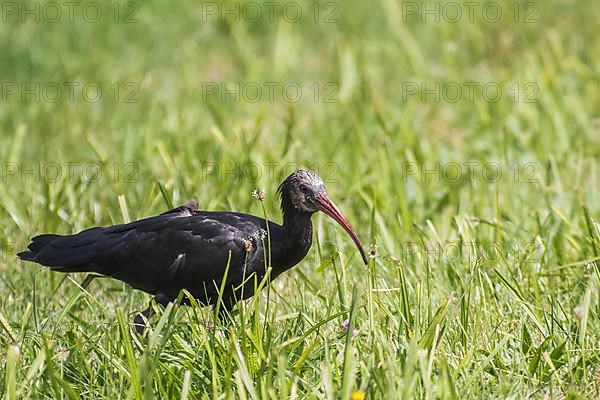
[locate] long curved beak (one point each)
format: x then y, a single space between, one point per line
328 207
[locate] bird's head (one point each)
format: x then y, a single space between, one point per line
305 192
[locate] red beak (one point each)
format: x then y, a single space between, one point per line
328 207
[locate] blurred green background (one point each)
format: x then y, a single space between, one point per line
378 108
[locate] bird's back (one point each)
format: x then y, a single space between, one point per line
163 254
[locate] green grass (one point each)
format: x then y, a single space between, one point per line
505 304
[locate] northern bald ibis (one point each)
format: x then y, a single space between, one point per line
187 248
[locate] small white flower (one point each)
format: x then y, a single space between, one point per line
373 250
259 194
17 351
345 324
262 234
62 355
589 265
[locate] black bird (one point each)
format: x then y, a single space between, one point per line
186 248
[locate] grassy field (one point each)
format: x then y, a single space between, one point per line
464 148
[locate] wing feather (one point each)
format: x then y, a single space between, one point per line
167 253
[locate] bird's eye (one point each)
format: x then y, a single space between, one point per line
304 189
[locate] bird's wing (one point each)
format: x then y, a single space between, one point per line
167 253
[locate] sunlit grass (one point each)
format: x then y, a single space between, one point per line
477 287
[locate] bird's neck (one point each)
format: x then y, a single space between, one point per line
297 224
297 229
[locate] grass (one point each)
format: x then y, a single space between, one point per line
480 286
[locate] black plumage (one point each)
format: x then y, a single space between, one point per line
187 248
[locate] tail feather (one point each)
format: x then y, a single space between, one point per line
26 255
71 253
38 242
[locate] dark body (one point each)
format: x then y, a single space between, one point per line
184 248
